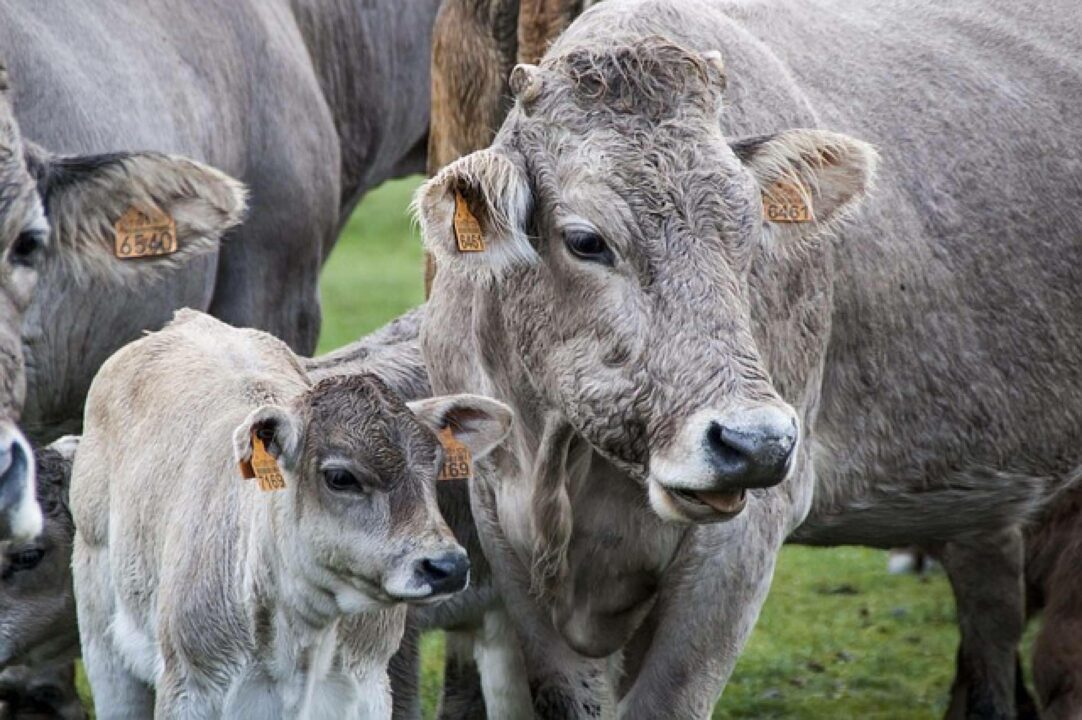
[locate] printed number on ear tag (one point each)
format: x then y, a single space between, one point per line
784 202
468 233
262 466
457 463
145 234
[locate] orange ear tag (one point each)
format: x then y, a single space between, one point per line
145 234
263 466
457 464
784 202
468 233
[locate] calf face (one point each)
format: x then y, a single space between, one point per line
620 229
360 471
37 607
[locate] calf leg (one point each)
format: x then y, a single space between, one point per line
117 692
1057 653
986 575
405 674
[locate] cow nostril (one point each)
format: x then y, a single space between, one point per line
726 454
446 573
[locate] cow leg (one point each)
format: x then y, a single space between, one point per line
404 671
708 604
117 692
1057 652
986 575
463 697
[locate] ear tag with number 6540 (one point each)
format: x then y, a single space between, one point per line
145 233
457 463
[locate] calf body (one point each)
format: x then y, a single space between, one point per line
200 595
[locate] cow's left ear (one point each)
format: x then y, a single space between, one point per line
808 176
478 422
86 196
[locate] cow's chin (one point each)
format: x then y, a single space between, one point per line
694 507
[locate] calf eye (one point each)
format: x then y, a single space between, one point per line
588 246
342 481
27 248
27 559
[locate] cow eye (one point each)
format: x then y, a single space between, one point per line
342 481
27 248
589 246
27 559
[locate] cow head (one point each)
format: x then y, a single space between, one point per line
620 230
37 604
361 520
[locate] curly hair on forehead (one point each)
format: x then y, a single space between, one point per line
652 76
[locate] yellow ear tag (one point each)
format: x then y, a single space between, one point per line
263 466
145 234
784 202
468 233
457 464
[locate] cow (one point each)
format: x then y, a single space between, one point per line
651 266
311 104
43 693
57 218
202 594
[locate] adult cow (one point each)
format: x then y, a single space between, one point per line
694 382
310 102
67 273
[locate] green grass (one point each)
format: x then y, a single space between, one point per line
838 637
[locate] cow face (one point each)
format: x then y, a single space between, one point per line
360 469
620 228
37 605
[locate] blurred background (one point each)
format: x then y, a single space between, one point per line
838 637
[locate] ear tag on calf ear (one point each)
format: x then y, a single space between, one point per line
457 463
783 202
263 466
145 233
468 233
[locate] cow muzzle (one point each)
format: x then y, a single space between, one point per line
717 457
20 515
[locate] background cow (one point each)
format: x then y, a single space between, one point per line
311 104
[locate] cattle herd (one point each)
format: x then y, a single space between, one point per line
705 277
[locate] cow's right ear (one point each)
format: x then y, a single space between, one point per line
277 427
473 215
85 197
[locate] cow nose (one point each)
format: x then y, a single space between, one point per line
752 449
20 516
445 573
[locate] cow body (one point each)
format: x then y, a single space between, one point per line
304 586
311 103
926 348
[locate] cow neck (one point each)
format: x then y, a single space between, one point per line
372 62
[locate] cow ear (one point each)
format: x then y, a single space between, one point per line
808 178
277 427
85 197
479 423
473 215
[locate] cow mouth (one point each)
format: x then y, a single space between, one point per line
700 506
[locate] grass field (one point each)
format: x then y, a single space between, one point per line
838 637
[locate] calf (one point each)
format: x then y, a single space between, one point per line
224 599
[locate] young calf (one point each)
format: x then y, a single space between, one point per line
201 595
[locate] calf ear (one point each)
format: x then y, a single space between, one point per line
280 431
479 423
85 196
473 214
808 176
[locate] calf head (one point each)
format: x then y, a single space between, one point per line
359 519
37 606
620 230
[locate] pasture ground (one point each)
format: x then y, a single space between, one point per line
838 637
